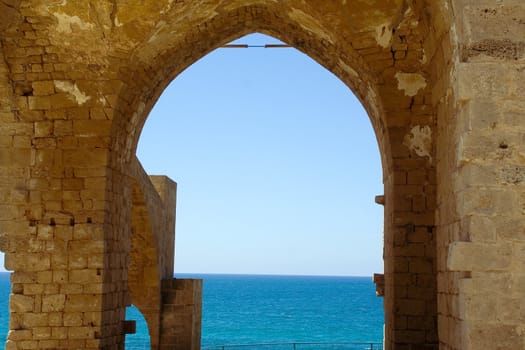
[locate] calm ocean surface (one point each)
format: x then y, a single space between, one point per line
254 308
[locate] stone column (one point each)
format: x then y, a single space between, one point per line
482 232
181 314
63 217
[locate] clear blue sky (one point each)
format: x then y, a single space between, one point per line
276 162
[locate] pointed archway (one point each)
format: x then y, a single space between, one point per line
393 87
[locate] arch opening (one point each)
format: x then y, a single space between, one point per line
408 169
310 117
344 62
316 132
140 338
5 314
401 113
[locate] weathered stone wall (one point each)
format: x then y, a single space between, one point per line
481 172
152 244
442 83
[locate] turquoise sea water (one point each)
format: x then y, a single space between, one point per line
5 290
241 309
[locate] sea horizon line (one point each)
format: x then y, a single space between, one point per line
267 274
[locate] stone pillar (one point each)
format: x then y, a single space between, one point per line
62 221
181 314
152 244
482 226
167 191
409 253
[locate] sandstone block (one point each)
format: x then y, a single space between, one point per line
510 309
55 319
21 141
496 336
77 261
39 102
485 81
61 100
51 303
94 288
93 343
92 127
31 320
86 247
84 276
33 288
63 127
45 232
72 344
73 319
466 256
63 233
71 288
80 332
93 318
493 22
19 334
478 307
83 303
85 159
48 344
21 303
43 88
73 184
421 265
410 307
28 262
59 332
41 333
28 344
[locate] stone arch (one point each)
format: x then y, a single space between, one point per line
386 67
163 64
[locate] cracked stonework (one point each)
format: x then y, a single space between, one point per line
65 23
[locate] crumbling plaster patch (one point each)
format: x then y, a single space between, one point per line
383 35
117 23
419 140
73 90
411 83
65 23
